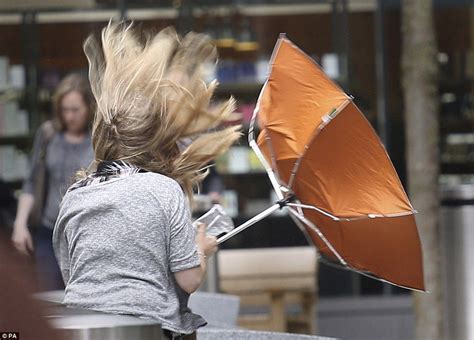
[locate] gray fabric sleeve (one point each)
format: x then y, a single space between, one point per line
60 247
29 182
183 250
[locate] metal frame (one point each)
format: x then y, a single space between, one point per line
249 223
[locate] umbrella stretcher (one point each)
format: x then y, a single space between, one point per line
331 171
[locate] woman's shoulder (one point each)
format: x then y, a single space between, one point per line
159 188
139 181
45 132
47 129
158 181
143 184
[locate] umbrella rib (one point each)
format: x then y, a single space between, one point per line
299 208
268 140
271 174
249 223
301 227
349 219
271 171
326 119
312 207
372 276
254 115
372 216
319 233
366 273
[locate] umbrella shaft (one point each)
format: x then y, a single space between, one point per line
249 223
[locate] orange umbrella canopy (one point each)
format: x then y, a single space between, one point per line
319 146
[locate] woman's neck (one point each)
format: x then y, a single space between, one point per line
74 137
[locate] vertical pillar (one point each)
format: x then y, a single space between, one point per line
31 52
122 7
185 21
382 119
341 38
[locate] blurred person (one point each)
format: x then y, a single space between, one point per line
124 237
61 147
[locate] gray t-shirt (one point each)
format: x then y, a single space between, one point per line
63 160
118 244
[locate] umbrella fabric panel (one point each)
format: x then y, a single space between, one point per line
387 248
282 166
296 95
347 172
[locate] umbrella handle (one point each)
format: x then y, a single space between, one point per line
249 223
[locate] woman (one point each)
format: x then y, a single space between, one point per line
124 238
64 145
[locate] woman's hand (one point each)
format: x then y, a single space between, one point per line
190 279
206 244
21 238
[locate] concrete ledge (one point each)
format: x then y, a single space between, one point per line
208 333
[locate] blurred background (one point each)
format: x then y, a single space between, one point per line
357 42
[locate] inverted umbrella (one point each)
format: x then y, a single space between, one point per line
330 170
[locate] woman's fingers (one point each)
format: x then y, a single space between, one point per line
212 244
22 242
201 227
21 247
29 243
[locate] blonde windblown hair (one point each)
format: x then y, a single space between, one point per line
150 96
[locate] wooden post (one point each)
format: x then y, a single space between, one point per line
278 312
309 311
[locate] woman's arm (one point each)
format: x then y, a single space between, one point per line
190 279
21 236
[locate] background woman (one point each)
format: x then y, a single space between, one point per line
63 145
